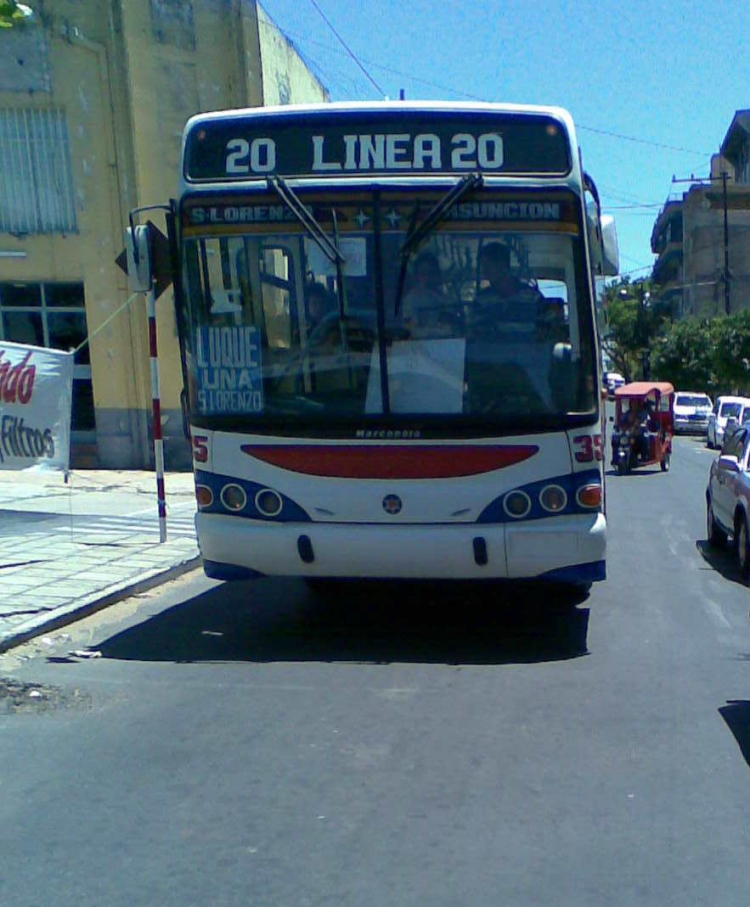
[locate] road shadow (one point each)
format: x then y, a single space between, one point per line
274 620
736 713
12 521
640 472
723 560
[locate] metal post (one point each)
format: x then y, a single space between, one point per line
156 407
726 244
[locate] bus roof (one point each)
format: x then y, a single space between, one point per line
348 107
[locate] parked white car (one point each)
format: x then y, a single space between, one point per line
728 498
725 408
691 411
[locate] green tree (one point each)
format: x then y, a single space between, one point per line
13 13
731 352
685 355
632 326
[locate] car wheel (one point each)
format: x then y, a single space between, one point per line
741 541
714 533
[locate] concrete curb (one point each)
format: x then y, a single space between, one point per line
90 604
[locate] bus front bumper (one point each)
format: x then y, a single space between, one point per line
566 549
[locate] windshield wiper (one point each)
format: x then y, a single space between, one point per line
419 232
327 246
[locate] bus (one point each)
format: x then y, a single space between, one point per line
367 396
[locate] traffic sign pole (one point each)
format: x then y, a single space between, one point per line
156 408
146 261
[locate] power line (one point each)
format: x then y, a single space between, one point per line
347 48
471 97
631 138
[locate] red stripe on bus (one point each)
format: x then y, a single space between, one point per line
386 462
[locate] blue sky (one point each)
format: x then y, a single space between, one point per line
653 86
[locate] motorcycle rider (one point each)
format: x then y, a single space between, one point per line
636 421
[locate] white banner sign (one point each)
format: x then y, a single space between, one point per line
36 401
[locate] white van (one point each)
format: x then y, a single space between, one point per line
613 380
691 411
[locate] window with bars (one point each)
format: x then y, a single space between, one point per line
53 315
36 189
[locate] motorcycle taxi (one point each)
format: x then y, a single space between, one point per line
643 425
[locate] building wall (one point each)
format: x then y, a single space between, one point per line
128 74
704 249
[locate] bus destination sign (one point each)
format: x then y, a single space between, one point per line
237 148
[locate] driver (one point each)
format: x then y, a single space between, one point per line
503 293
637 420
319 304
501 283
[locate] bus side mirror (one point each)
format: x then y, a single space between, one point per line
611 253
138 251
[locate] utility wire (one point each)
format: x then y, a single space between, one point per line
463 94
631 138
347 48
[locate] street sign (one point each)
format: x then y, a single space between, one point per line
156 244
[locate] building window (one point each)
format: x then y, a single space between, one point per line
53 315
36 189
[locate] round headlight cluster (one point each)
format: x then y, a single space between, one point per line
552 499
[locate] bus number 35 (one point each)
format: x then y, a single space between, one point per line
587 448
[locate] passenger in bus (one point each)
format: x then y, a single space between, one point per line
427 310
427 290
321 304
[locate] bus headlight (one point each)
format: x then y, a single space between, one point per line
589 496
204 496
553 498
517 504
268 502
233 497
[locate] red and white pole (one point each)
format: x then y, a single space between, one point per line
156 406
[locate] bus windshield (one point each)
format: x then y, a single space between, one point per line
484 322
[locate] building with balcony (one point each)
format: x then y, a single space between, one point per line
93 100
666 242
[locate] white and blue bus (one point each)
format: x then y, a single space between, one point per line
365 397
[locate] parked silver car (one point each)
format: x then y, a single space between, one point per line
725 408
728 498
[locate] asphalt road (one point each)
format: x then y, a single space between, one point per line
404 745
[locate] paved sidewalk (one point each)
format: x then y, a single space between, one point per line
69 549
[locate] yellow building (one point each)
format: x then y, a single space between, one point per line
93 98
